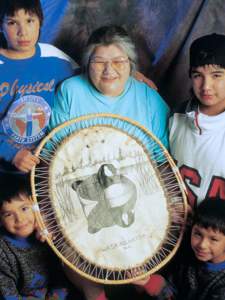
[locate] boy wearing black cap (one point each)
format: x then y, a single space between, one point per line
197 130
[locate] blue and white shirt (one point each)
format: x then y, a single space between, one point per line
197 143
77 97
27 88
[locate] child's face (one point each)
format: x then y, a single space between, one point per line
208 244
208 83
21 32
17 216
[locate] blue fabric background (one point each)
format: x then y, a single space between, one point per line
162 30
54 13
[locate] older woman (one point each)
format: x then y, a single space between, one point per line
107 85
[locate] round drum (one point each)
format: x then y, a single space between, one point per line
109 193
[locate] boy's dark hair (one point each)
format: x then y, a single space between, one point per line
9 7
208 50
12 186
211 214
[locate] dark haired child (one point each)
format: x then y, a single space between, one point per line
198 273
28 269
30 72
197 128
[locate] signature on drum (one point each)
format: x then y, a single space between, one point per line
126 244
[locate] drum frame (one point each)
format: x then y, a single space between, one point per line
78 263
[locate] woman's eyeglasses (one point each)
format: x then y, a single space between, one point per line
118 64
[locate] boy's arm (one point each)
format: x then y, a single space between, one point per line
14 153
8 148
156 286
218 292
8 277
24 160
10 280
218 295
159 287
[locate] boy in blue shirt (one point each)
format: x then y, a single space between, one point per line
29 74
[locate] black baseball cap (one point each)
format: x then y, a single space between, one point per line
208 50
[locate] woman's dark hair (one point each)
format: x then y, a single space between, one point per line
211 214
12 186
9 7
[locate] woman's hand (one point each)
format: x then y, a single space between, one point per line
24 160
141 77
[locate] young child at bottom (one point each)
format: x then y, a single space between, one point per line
199 273
28 269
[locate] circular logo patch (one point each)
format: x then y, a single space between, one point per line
27 119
